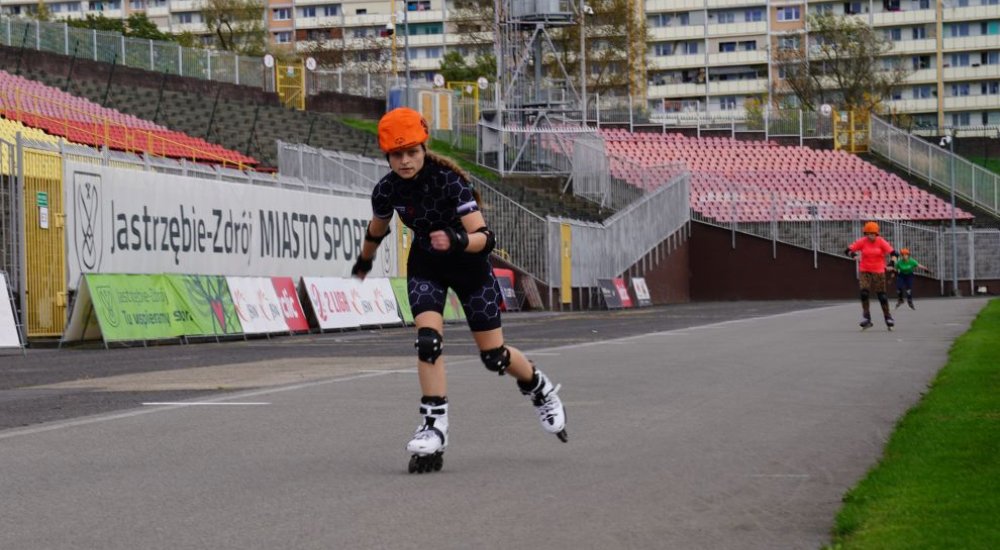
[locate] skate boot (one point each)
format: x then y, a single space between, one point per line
889 322
430 439
866 322
899 303
544 396
909 302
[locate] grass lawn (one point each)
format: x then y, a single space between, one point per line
938 482
463 158
991 164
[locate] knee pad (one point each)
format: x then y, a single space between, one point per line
429 344
864 295
882 298
496 360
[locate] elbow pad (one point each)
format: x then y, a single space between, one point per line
372 238
491 240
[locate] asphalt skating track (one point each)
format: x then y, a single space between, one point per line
739 434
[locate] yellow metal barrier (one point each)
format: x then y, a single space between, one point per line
45 243
852 131
291 79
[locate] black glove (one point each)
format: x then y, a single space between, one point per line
361 268
850 253
459 240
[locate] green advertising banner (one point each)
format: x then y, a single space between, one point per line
134 307
207 305
402 298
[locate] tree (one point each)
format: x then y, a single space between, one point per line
237 25
136 26
455 69
842 60
615 36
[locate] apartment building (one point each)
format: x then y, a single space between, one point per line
712 55
703 55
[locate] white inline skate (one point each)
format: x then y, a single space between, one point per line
551 412
430 439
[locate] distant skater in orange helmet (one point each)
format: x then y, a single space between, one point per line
873 250
905 267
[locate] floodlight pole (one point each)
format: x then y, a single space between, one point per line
949 139
583 66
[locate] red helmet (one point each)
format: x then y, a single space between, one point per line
400 129
905 251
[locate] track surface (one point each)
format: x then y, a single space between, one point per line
723 425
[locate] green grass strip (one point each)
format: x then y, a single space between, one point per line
991 164
463 158
938 483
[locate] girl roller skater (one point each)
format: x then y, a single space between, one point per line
905 268
450 248
873 250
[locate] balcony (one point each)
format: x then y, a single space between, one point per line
675 91
971 73
423 64
971 43
737 29
194 28
676 32
322 22
755 57
893 18
912 105
367 20
429 16
906 47
732 87
971 102
922 76
717 4
675 62
422 40
969 13
456 39
657 6
185 5
157 11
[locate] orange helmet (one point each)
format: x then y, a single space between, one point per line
905 251
401 128
870 227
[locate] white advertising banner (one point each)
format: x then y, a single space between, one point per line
378 303
9 337
257 305
127 221
330 298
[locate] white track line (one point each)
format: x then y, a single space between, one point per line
197 403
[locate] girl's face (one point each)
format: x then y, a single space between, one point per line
407 162
871 236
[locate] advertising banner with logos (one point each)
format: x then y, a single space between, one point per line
402 298
641 292
125 221
257 305
612 300
151 307
288 297
622 290
9 337
339 303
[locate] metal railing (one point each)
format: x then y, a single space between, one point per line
139 53
972 183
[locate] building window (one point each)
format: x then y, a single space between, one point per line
690 48
922 92
790 13
822 9
960 90
753 16
851 8
727 102
663 48
418 5
919 33
924 4
184 18
361 11
727 47
960 119
684 19
331 10
788 42
283 37
990 88
749 45
725 17
308 11
921 62
281 14
958 29
959 60
894 34
989 58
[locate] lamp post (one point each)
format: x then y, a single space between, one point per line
950 142
584 10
